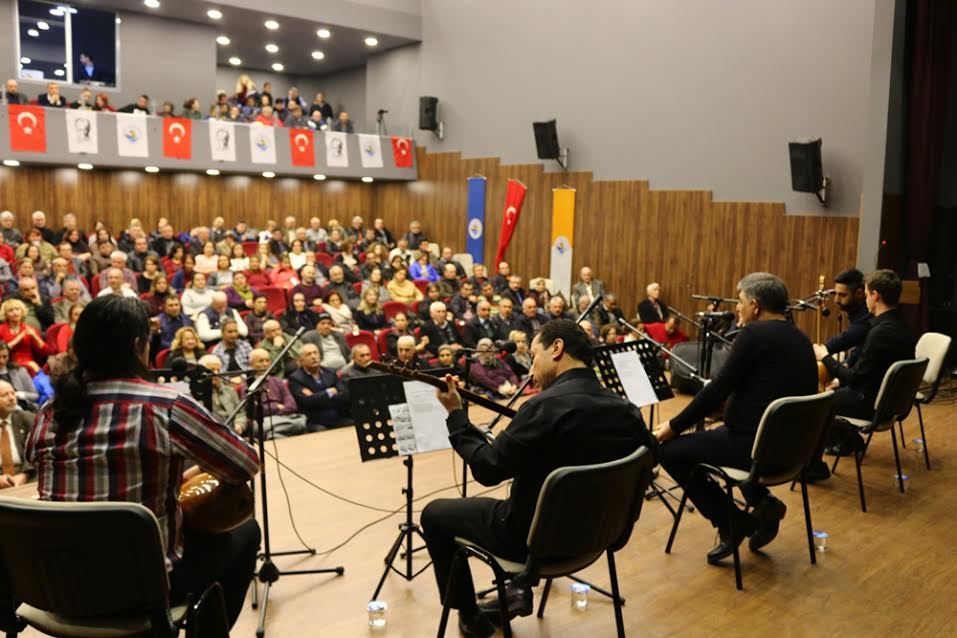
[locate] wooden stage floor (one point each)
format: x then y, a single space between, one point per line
891 571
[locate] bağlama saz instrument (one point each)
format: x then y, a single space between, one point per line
211 506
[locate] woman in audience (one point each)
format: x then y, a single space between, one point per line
297 316
151 270
297 255
432 294
26 346
423 270
78 242
185 274
240 294
341 313
186 344
260 315
389 270
369 315
197 297
346 255
245 89
539 292
284 275
32 254
215 112
519 361
267 260
401 289
608 334
238 261
191 109
401 328
19 378
207 261
447 360
102 103
375 282
174 262
156 298
491 374
223 277
66 332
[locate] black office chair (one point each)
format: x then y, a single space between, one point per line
894 402
789 437
93 569
582 512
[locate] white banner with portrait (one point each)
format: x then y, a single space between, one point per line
81 133
337 153
222 141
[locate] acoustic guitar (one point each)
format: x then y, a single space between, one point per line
211 506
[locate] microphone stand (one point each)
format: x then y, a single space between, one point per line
663 348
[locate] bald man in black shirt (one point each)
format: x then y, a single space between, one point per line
574 421
770 359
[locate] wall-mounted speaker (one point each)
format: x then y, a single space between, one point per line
807 172
546 140
428 113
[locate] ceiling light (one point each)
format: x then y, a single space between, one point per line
25 60
43 26
317 177
277 66
215 14
33 33
223 40
11 163
235 61
118 20
318 55
323 33
152 169
367 180
272 48
59 73
371 41
152 4
272 25
85 167
212 172
268 174
58 12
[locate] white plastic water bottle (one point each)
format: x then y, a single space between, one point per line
377 614
579 598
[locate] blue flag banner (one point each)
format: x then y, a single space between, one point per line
475 229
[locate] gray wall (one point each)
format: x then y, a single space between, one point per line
690 94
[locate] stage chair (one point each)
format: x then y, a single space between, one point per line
275 298
391 308
365 337
789 437
934 346
894 402
93 569
607 500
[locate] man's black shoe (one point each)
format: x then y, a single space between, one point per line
475 625
743 528
816 472
848 446
518 601
769 513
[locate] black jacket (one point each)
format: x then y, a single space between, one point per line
474 330
439 336
648 314
319 407
853 336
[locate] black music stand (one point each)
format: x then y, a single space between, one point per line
369 400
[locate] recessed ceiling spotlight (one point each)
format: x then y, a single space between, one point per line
85 166
272 25
323 33
318 177
223 40
152 169
59 73
11 163
318 55
58 12
213 172
215 14
371 41
152 4
33 33
43 26
235 61
25 60
367 180
272 48
277 66
268 174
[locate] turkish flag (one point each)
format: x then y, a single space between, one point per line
178 138
402 151
301 147
28 129
514 198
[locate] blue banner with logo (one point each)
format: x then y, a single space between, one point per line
475 229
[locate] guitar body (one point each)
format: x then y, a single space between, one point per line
824 377
211 506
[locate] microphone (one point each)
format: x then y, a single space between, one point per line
591 308
716 315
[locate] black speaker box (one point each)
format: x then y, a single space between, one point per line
546 140
807 174
428 113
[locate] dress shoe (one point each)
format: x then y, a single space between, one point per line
475 625
743 528
768 513
817 472
518 602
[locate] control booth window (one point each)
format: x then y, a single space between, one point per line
65 43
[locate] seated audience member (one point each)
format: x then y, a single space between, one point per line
539 292
488 294
141 106
19 377
402 289
376 281
238 260
66 332
415 236
273 342
12 94
45 250
197 297
115 285
260 314
168 323
479 277
401 250
207 261
358 367
284 275
342 123
297 253
514 291
432 295
118 260
136 258
339 281
341 313
556 309
72 294
151 270
401 328
155 299
27 347
423 270
506 320
369 315
519 361
257 276
320 105
608 310
771 358
668 333
332 346
532 319
463 302
280 418
186 345
651 309
295 118
240 294
232 350
439 330
309 286
267 117
15 425
183 277
316 122
298 315
449 283
608 334
316 233
446 259
100 260
318 392
224 397
447 360
406 354
222 277
334 241
52 97
491 373
481 326
586 287
500 279
209 322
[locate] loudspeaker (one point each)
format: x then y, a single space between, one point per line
428 110
807 174
546 140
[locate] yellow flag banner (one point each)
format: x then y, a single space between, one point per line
563 232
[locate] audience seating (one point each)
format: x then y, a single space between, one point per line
325 259
383 342
161 357
421 284
250 247
363 337
275 298
52 333
392 308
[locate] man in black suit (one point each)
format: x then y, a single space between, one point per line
500 279
12 94
52 97
439 330
532 319
318 392
15 426
482 326
608 310
514 290
556 309
462 303
142 105
447 259
507 319
652 310
88 71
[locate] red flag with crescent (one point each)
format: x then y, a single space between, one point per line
28 130
514 198
301 147
178 138
402 151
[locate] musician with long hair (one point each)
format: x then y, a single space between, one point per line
111 435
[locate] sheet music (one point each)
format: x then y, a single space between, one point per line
634 379
404 432
428 417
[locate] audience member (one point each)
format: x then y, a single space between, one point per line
232 350
370 315
318 392
141 106
407 355
332 345
556 309
515 292
115 284
15 426
586 286
280 418
432 294
439 330
490 373
651 310
532 319
481 326
209 322
449 283
343 123
186 345
12 94
27 347
359 367
519 361
462 304
500 279
168 323
341 313
298 315
156 298
52 97
11 235
400 328
273 342
339 283
415 236
198 297
608 310
538 291
72 294
224 397
38 313
506 320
